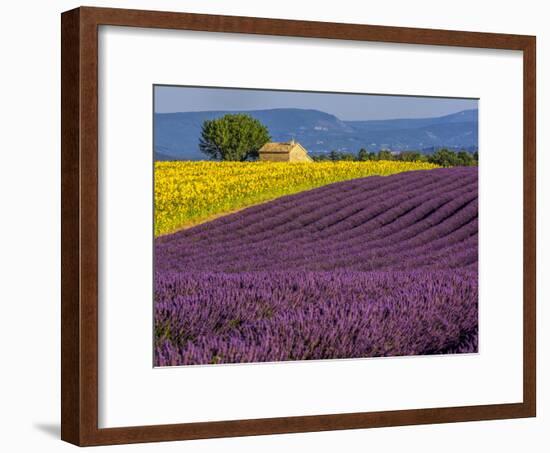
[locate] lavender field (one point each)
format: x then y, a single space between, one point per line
377 266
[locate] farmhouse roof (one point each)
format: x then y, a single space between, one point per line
279 147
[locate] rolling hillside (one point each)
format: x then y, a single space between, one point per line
189 193
378 266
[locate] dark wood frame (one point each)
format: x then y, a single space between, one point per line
79 216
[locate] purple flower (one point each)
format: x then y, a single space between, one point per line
379 266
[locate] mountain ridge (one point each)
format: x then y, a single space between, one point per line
176 135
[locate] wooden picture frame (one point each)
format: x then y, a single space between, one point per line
79 169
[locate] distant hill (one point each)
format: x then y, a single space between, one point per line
177 134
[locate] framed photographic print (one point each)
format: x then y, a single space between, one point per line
275 226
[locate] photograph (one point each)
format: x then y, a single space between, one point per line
295 225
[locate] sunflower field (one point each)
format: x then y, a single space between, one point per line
188 193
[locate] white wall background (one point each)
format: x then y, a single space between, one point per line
30 230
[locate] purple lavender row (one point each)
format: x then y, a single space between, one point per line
251 219
265 317
420 222
296 214
291 254
312 222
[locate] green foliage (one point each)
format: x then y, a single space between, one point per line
443 157
466 159
234 137
412 156
363 155
447 158
350 157
320 158
335 156
385 154
373 156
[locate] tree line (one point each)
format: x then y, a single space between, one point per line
443 157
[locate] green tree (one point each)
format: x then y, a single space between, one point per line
348 157
236 137
385 154
410 156
445 158
362 155
320 157
466 158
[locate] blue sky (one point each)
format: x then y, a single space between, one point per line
344 106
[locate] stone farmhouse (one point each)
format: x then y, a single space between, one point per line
290 151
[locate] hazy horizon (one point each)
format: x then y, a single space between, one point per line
345 106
